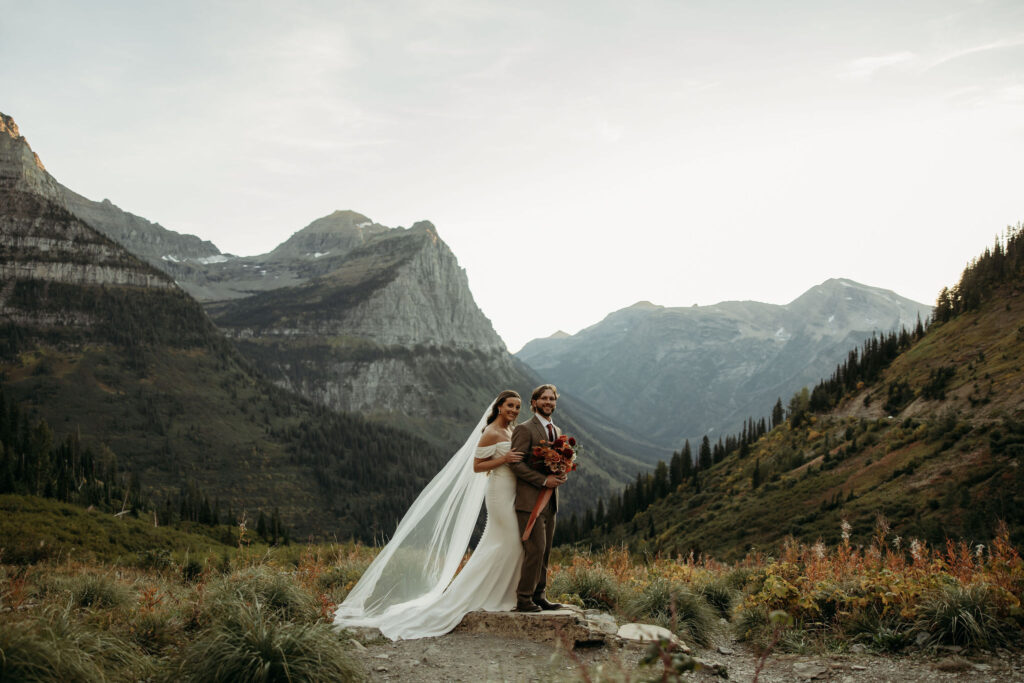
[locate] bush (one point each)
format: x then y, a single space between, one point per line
154 631
251 645
962 615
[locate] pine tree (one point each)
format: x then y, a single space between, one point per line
704 459
777 413
755 479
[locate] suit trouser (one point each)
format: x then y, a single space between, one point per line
534 577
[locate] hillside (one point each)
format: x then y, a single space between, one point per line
934 445
706 369
103 345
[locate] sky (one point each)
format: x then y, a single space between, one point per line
577 156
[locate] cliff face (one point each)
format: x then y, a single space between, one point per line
678 373
393 329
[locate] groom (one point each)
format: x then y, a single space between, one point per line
529 483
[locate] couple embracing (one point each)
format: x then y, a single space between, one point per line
408 591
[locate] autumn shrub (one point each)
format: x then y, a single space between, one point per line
250 644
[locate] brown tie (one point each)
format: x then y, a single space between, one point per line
551 433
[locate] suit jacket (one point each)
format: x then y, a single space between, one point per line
529 481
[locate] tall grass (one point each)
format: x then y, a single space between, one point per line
250 644
55 646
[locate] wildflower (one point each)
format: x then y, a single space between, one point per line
896 542
915 549
978 550
846 528
819 549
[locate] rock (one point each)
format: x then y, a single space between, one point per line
567 628
858 648
858 667
357 645
603 622
921 638
649 632
382 656
810 670
725 651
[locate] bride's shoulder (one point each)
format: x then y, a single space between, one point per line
491 436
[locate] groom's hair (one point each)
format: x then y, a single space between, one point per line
541 389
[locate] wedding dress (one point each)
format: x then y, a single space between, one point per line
408 591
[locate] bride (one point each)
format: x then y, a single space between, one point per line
408 591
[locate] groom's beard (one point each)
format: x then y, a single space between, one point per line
546 414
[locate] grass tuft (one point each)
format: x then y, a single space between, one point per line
674 605
96 590
263 588
252 645
962 615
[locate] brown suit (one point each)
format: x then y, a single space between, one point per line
529 484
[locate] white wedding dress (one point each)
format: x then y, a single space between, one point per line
487 581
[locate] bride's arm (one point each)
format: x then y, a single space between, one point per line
489 462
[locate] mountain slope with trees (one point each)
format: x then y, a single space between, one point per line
925 428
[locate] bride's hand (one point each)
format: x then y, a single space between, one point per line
513 456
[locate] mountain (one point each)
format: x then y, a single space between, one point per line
691 371
390 330
924 429
105 347
346 315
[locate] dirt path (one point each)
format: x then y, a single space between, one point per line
476 657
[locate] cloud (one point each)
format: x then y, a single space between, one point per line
987 47
866 67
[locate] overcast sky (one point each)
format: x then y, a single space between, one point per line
586 154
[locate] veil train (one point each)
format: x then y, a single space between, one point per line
424 553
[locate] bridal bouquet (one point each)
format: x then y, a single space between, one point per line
557 457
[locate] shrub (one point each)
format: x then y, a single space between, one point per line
961 615
252 645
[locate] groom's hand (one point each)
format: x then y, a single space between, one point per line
554 480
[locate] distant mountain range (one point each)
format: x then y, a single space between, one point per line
680 373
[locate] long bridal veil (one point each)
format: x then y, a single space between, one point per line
424 553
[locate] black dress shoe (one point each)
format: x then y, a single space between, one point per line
547 606
527 607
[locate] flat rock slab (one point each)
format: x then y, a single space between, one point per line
566 628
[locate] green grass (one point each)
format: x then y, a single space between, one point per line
34 529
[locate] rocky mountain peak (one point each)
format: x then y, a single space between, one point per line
20 167
334 235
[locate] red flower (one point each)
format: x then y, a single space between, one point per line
572 441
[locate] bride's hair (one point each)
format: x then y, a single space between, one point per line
498 402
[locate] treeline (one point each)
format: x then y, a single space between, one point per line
35 462
1002 263
859 369
649 487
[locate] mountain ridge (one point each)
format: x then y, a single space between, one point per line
714 366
